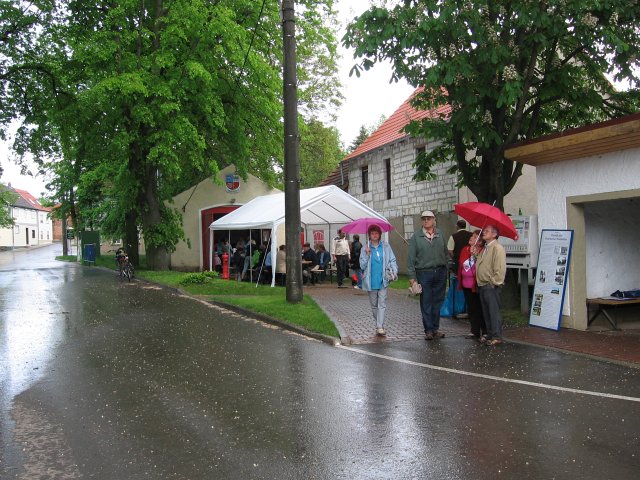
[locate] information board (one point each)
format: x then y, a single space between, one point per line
551 278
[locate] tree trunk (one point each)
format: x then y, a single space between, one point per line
131 243
158 257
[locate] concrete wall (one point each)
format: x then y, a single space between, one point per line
611 228
585 176
581 189
208 194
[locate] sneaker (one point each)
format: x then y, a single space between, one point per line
356 287
438 334
471 336
380 332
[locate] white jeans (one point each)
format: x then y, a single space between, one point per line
378 301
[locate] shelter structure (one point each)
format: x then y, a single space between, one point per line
588 181
322 206
205 202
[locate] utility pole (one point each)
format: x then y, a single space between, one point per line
291 162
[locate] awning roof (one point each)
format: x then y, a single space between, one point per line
318 206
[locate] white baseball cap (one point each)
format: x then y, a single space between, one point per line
427 213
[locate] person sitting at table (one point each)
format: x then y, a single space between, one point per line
309 264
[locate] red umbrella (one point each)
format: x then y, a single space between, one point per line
482 214
362 225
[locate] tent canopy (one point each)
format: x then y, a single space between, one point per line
328 205
322 205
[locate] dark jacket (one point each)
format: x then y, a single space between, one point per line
356 248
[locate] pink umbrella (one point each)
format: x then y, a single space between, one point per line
362 225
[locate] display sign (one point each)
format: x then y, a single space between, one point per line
70 234
551 278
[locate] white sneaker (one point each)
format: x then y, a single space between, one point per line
380 332
356 287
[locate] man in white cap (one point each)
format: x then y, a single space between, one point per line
427 265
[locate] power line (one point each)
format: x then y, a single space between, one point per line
253 36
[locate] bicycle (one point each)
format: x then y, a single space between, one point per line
125 269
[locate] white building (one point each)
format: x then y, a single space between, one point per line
589 181
32 224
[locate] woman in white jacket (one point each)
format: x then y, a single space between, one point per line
379 267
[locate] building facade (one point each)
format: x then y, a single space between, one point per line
32 224
380 173
205 202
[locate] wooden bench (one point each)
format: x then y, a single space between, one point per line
604 304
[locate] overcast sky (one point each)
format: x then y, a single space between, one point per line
367 98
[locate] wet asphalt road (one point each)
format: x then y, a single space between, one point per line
109 380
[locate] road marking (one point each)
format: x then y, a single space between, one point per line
492 377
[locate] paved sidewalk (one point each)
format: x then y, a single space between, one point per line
349 309
618 345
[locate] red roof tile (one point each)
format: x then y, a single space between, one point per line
30 199
391 129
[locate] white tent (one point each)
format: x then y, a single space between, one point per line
328 205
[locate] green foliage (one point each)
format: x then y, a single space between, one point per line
198 278
320 152
508 71
7 197
143 99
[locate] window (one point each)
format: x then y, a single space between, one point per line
33 233
419 151
365 179
387 171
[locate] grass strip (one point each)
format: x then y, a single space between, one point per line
306 314
261 299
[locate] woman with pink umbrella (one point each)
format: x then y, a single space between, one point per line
379 267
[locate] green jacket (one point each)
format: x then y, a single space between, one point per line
425 254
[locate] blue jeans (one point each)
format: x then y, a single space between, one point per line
359 275
434 283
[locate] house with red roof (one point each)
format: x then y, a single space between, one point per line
32 223
380 174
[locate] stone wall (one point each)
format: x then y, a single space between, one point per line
409 198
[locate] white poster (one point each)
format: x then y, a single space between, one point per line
551 278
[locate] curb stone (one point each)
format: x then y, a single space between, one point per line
249 313
274 321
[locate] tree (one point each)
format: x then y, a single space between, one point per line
320 152
158 93
509 70
363 134
7 197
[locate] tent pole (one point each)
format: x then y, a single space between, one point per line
264 259
274 254
210 249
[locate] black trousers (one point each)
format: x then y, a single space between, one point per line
342 265
474 309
